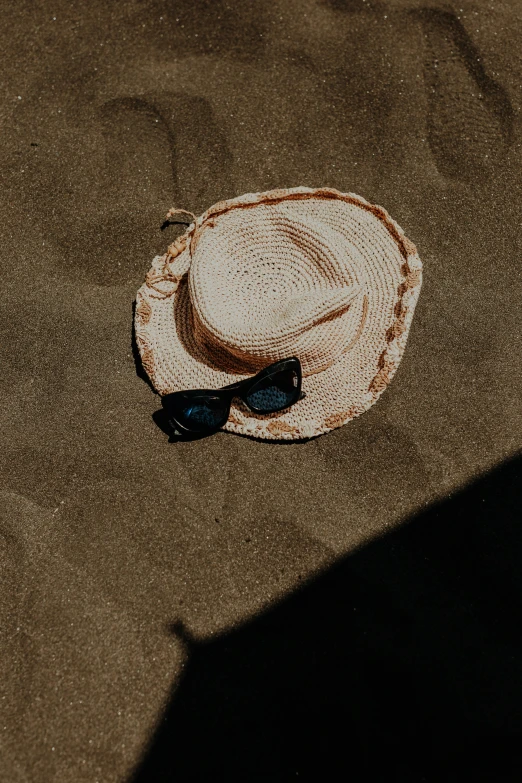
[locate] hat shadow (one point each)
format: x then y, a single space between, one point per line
138 365
159 417
161 420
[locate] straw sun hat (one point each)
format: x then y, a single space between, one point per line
313 273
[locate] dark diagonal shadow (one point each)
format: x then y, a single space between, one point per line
401 663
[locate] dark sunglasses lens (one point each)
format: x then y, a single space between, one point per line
274 392
203 413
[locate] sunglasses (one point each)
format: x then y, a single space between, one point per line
205 411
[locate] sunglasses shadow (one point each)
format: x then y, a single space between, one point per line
161 420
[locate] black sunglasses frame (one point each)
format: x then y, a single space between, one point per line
174 402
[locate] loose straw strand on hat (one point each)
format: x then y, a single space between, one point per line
177 211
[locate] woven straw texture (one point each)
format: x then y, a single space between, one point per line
312 273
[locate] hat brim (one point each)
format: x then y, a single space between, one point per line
352 384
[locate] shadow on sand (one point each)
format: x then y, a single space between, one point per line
403 662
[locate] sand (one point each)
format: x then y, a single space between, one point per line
345 608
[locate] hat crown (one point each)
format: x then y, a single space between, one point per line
265 284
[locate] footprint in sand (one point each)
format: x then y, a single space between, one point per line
139 149
101 204
160 150
470 116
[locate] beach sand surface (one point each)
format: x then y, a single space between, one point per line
226 609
